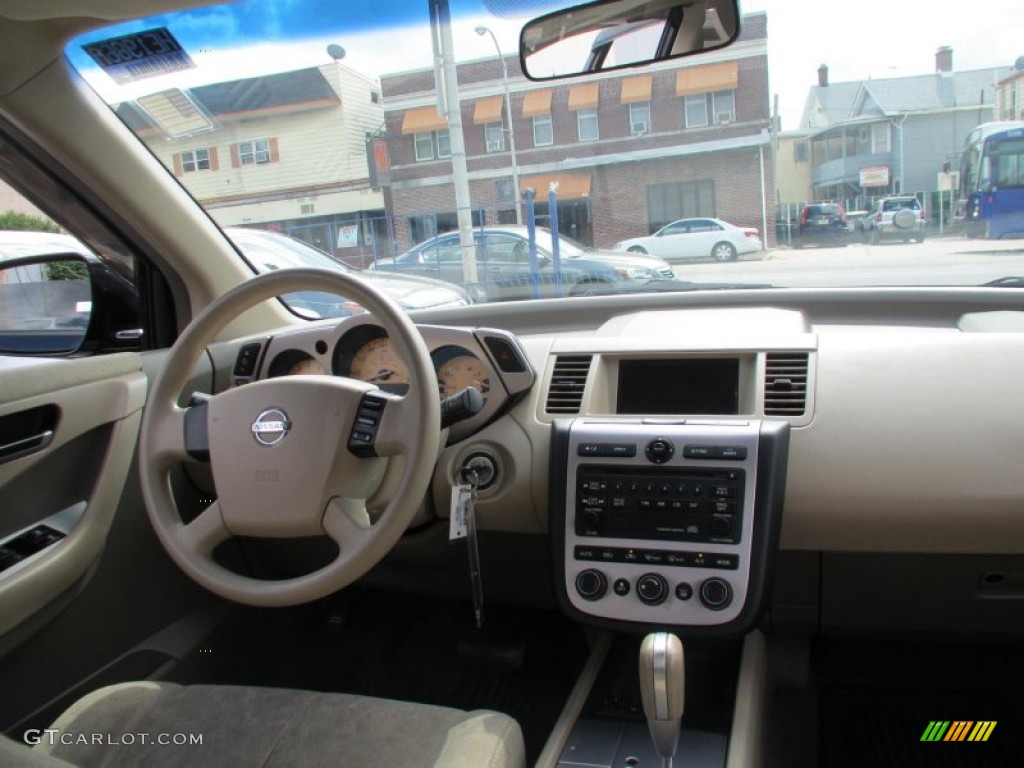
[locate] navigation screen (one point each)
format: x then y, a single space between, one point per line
691 386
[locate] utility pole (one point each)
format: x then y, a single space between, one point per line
448 105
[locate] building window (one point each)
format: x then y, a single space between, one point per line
543 132
640 118
696 109
195 160
254 152
444 143
494 137
724 106
375 97
880 138
424 144
703 109
429 145
683 200
586 124
800 152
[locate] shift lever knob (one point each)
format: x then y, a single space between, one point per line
662 678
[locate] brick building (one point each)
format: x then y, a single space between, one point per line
629 152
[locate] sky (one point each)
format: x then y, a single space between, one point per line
866 39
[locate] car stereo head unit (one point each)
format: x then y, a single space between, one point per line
667 523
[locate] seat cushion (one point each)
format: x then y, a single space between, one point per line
159 725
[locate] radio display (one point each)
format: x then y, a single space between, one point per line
694 386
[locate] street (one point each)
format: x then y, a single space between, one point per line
937 261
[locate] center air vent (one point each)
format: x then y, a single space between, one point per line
785 384
565 393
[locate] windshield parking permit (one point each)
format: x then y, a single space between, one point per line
133 57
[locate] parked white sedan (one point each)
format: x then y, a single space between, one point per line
696 239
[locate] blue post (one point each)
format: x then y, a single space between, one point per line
556 255
531 233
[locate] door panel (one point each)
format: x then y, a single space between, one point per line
69 483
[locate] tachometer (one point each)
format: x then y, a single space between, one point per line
461 372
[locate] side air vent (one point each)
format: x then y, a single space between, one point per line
785 384
565 394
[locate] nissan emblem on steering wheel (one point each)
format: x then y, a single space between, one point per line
271 427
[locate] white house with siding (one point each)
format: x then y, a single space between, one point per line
285 151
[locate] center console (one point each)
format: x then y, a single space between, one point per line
666 523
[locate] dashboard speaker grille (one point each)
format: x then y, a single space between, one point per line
785 383
565 393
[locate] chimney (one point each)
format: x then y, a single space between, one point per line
944 60
823 76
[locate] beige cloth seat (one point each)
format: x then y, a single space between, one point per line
268 728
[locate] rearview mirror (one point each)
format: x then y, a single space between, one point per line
612 34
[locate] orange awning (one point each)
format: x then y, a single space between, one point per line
584 96
537 103
488 110
636 89
571 186
716 77
422 120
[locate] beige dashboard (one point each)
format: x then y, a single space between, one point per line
905 438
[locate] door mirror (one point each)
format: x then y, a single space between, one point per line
60 303
611 34
45 304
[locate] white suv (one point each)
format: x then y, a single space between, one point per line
895 218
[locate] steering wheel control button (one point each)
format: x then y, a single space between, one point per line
622 587
715 594
364 431
652 589
591 584
271 427
684 591
659 450
245 363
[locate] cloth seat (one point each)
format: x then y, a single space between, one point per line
268 728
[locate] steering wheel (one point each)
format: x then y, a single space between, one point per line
291 456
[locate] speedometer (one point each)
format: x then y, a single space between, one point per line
377 363
461 372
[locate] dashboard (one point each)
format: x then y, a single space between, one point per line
895 449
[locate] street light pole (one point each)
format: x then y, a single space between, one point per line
511 130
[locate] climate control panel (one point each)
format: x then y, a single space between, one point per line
667 523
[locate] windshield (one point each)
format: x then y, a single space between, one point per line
356 129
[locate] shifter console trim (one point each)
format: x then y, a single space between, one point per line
666 523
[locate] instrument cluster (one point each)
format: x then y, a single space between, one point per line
489 361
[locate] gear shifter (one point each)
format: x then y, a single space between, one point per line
662 676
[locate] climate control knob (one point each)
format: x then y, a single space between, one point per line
591 584
715 593
652 588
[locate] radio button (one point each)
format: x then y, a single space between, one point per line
622 587
652 589
731 452
723 491
660 450
698 452
652 557
721 527
715 594
591 584
684 591
592 520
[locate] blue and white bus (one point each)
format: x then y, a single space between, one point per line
992 181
